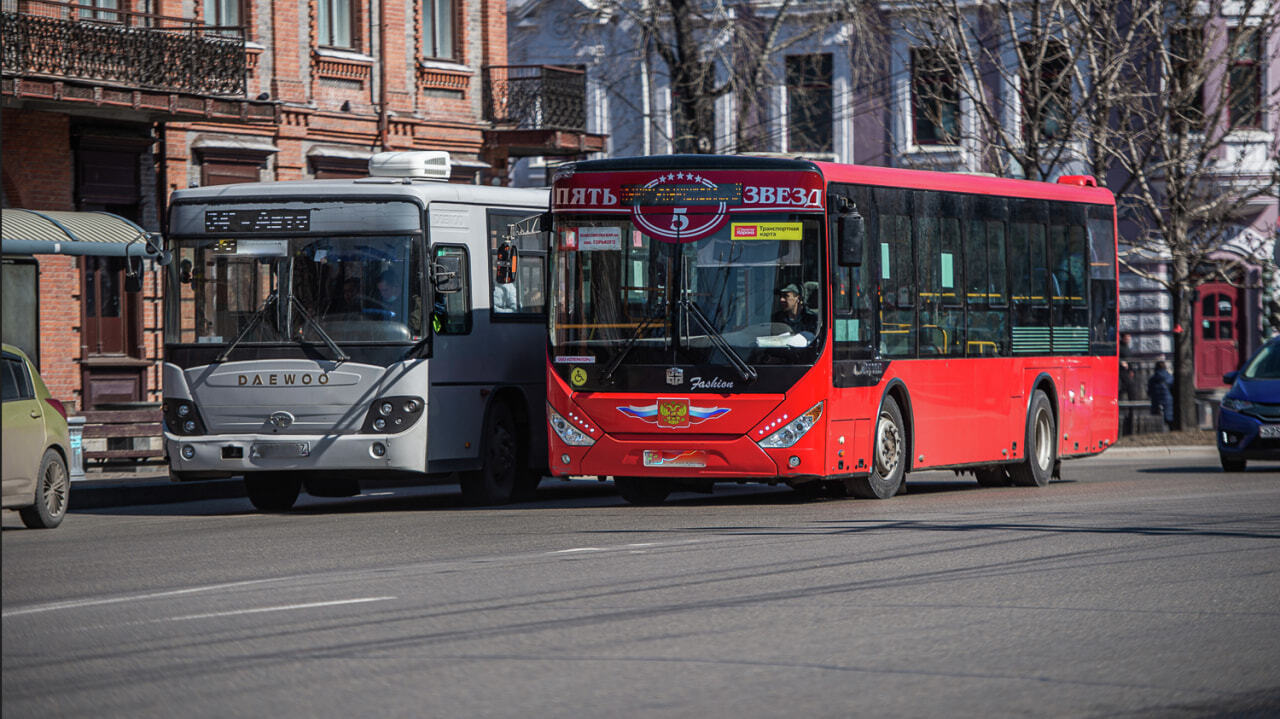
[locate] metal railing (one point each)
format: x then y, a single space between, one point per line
73 41
535 97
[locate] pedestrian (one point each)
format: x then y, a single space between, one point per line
1128 373
1160 391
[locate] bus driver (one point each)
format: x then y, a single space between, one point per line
792 312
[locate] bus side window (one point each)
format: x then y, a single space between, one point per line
1102 283
986 278
517 266
451 312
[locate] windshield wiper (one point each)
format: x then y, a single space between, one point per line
309 320
616 362
747 371
272 300
254 321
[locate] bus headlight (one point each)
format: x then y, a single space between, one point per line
567 433
182 417
390 415
792 431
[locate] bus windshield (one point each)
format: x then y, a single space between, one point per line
749 292
309 289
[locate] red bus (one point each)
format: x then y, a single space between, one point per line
739 319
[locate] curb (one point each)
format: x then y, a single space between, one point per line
1190 450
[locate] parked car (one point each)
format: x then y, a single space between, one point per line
1249 415
36 445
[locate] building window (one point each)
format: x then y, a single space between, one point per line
438 34
222 13
1046 92
1244 103
935 98
97 10
809 103
335 23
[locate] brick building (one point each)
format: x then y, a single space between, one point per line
111 105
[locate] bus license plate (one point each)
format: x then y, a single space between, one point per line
279 450
1269 430
675 458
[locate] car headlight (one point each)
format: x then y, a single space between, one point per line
1235 404
567 433
792 431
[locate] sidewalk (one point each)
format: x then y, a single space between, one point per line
122 485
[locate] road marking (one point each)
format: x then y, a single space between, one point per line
284 608
76 604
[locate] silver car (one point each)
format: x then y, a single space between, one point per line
36 445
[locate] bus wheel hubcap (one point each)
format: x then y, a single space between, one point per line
888 446
1044 440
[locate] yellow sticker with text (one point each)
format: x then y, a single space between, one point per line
578 376
766 231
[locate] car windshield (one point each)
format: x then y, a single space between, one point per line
350 289
1266 365
748 292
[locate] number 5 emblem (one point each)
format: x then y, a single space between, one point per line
679 220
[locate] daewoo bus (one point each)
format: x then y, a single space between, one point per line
323 332
751 319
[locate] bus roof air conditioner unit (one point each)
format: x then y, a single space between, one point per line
424 164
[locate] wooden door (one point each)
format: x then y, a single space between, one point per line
1217 318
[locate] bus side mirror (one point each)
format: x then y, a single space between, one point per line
853 230
504 264
446 274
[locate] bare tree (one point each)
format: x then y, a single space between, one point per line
1153 97
1192 170
713 48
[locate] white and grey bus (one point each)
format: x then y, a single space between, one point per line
320 333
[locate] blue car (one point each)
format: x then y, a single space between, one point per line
1249 416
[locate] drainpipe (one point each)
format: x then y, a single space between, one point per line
646 112
383 118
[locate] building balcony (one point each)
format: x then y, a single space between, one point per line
76 57
537 110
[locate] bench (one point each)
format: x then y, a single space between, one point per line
121 425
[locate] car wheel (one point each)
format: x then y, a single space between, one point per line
642 491
889 456
53 491
1231 464
1041 446
272 491
495 481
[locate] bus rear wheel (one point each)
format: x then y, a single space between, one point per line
272 491
1036 469
495 481
889 456
642 491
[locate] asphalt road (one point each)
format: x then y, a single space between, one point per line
1142 585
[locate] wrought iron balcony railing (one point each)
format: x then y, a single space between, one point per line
535 97
92 43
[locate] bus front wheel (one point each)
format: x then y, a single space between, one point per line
642 491
272 491
889 456
1036 469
